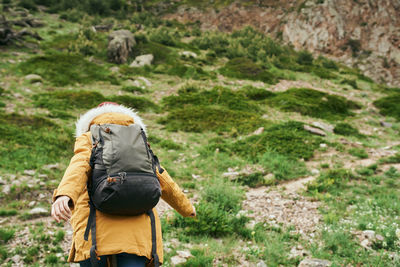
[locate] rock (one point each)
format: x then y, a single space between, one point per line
369 234
314 130
323 145
314 263
51 166
38 211
324 126
33 78
250 225
142 60
184 254
379 238
365 244
2 182
261 264
231 175
120 46
6 189
146 82
29 172
114 69
259 131
175 260
16 259
188 54
32 203
386 124
44 176
315 172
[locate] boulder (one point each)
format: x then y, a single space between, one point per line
33 78
314 130
315 263
324 126
142 60
120 44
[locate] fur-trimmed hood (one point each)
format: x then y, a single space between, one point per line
83 123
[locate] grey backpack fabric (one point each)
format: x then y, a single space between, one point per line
124 180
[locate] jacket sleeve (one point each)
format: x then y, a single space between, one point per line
173 195
76 175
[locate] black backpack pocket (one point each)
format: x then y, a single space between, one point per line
126 193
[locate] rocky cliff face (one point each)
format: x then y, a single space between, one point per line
361 33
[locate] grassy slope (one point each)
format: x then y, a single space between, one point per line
220 114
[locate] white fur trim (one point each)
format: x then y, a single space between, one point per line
83 123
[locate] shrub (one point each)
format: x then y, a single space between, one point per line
5 212
288 139
313 103
389 105
163 36
359 153
331 180
256 93
64 69
324 73
305 58
6 235
329 64
216 213
253 179
346 129
352 83
244 68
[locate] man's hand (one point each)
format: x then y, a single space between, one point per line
193 214
60 209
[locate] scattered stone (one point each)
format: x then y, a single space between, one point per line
175 260
196 177
6 189
16 259
32 203
261 264
365 244
184 254
146 82
369 234
323 145
142 60
188 54
2 182
379 238
259 131
38 211
120 46
43 176
386 124
324 126
41 196
30 172
114 69
230 175
51 166
314 263
33 78
315 172
314 130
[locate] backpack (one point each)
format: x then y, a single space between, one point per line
124 180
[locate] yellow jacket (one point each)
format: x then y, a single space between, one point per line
115 234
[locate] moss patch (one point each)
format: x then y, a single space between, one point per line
313 103
31 142
389 105
60 101
244 68
211 118
63 69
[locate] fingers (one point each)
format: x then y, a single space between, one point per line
60 209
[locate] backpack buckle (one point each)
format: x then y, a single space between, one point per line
123 176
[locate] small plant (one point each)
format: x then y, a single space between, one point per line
6 235
200 258
389 106
359 153
352 83
346 129
305 58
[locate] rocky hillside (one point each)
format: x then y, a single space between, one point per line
363 34
291 158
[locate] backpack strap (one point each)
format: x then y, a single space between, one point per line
91 226
154 254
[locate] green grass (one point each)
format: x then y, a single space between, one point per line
65 69
313 103
359 153
346 129
29 142
245 68
389 105
6 235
